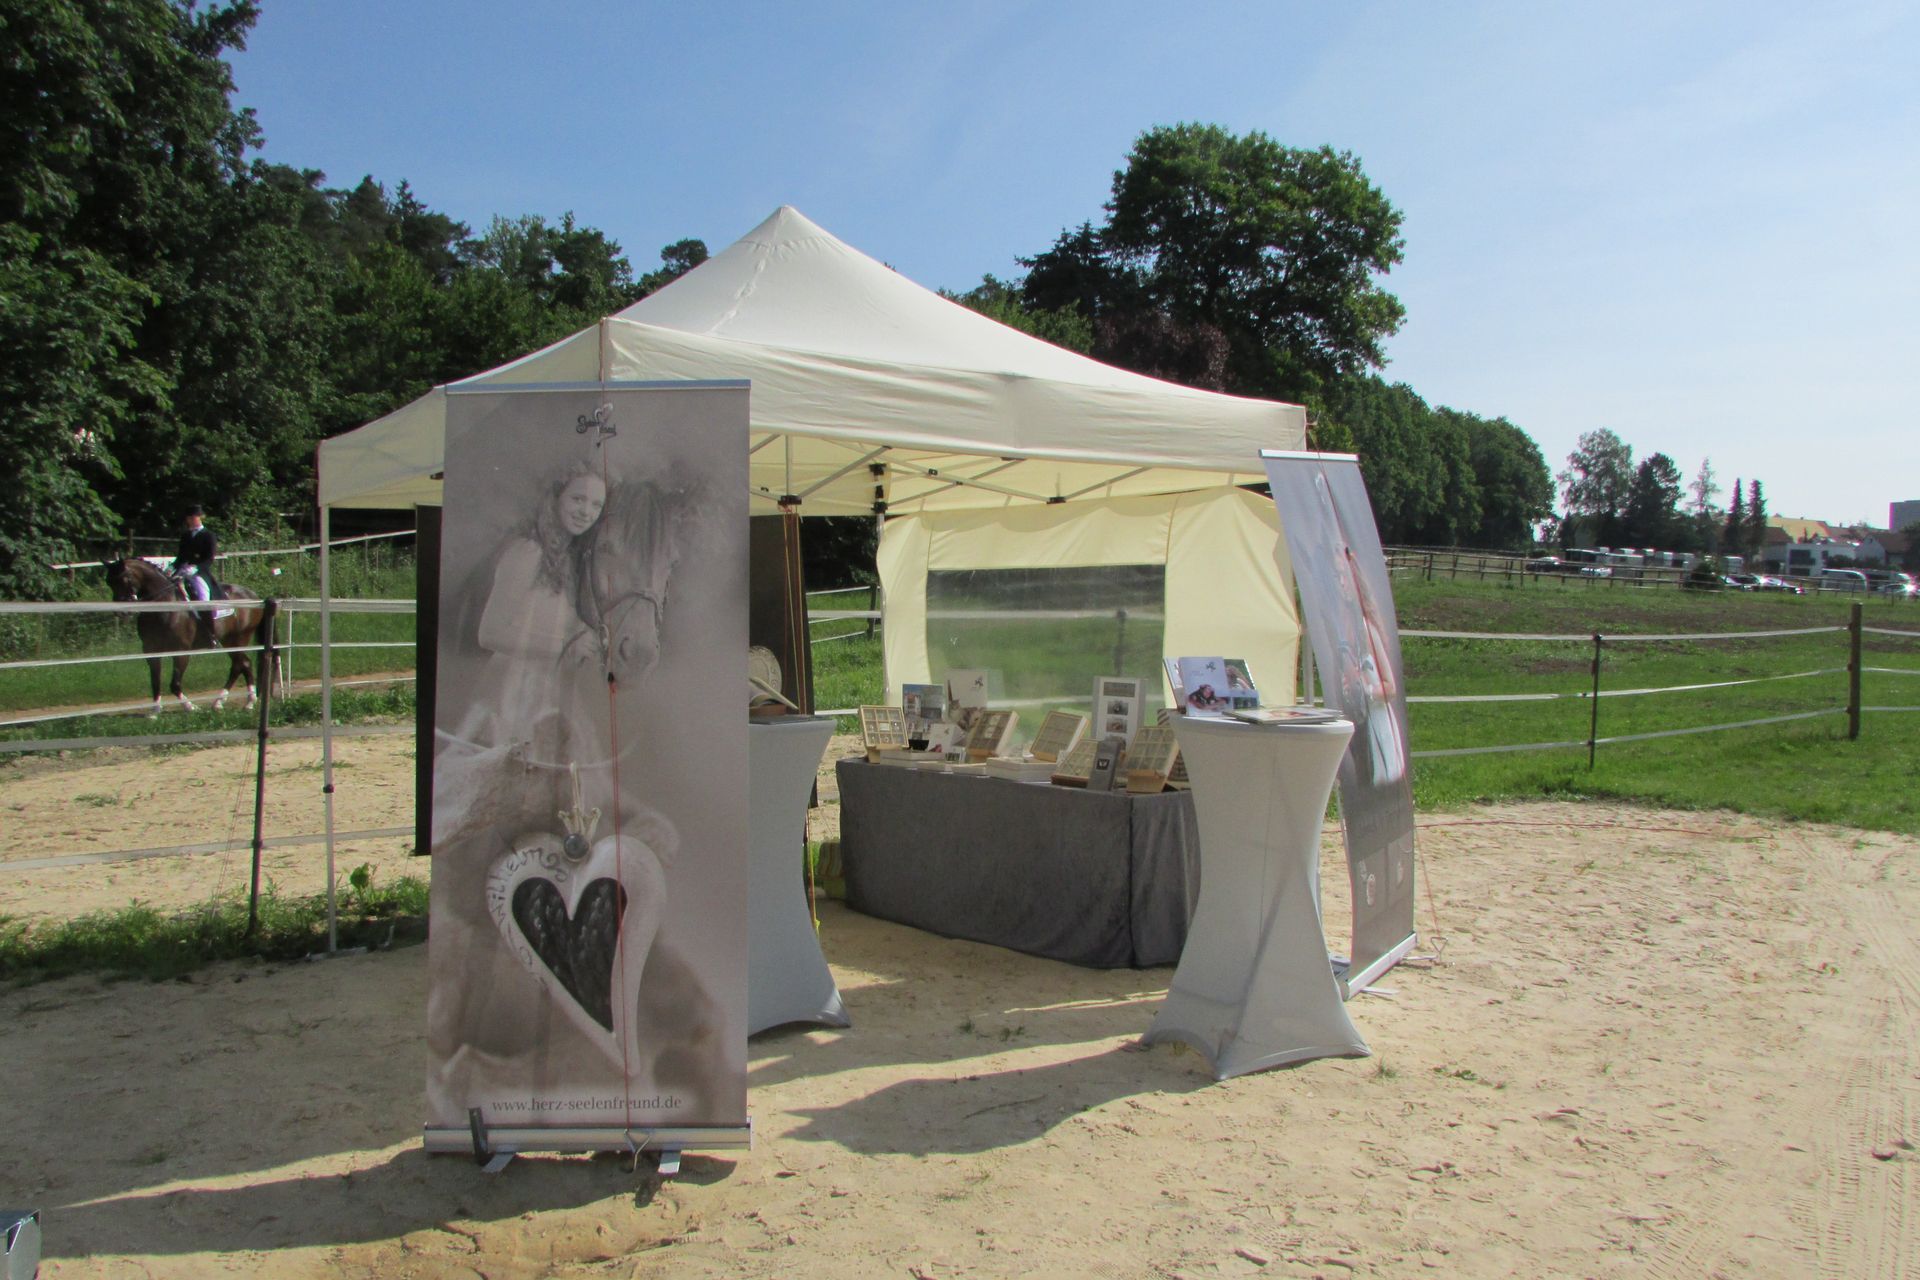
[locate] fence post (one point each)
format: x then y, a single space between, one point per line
873 606
1593 720
1853 673
266 633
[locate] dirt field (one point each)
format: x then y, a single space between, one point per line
1653 1044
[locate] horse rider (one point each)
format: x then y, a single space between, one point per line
193 565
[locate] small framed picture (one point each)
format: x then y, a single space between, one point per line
990 732
1058 732
883 729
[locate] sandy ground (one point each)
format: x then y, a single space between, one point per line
1652 1044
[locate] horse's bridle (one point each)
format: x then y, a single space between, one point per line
607 616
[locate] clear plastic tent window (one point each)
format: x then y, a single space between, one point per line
1044 635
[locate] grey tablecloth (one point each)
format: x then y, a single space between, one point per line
1095 878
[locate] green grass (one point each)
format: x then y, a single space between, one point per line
140 941
376 571
1805 770
350 706
847 673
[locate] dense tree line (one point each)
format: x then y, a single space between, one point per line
181 322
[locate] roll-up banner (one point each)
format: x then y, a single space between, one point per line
1347 599
588 950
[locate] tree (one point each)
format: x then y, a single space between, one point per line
1651 517
1703 517
1417 463
1911 532
1000 300
676 260
119 156
1754 532
66 385
1514 486
1214 239
1595 484
1733 535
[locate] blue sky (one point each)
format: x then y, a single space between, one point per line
1692 223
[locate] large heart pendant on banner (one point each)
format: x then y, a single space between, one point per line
581 916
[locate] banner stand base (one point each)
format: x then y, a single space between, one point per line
1352 984
493 1147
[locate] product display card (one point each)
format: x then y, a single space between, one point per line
1203 685
1109 759
1118 704
923 705
966 696
1177 697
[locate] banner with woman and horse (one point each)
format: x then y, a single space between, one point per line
588 947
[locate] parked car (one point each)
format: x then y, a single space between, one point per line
1768 583
1842 580
1554 564
1745 581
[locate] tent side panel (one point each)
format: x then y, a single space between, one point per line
902 564
1223 594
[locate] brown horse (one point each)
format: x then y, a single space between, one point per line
164 633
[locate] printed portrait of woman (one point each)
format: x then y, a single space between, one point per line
532 626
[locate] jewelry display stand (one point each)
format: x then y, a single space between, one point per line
1255 987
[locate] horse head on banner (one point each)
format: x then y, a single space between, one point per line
626 567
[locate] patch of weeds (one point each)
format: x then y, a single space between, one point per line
96 800
966 1027
1469 1075
1384 1070
140 941
1010 1033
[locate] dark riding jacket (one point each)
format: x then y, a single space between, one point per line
198 548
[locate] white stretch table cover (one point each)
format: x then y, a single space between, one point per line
1255 988
787 976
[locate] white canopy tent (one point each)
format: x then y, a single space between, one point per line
871 394
853 365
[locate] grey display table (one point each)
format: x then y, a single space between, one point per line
1102 879
1255 987
787 976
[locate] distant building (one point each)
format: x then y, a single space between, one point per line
1800 529
1806 559
1902 514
